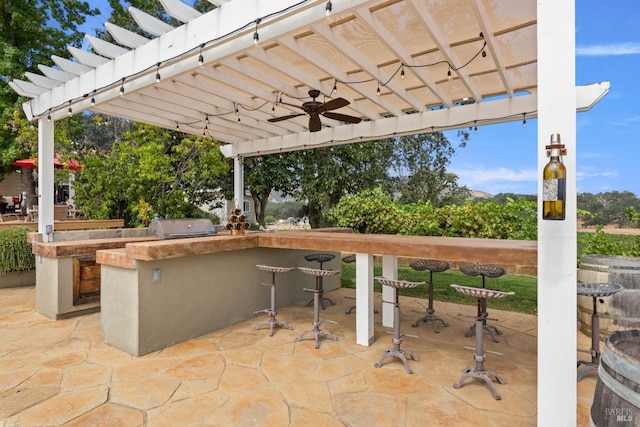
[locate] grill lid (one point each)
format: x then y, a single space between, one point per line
182 228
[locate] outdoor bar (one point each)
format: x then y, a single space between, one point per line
158 293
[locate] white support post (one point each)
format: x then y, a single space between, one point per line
364 299
238 182
557 340
389 271
45 179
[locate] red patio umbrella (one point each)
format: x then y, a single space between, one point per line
57 163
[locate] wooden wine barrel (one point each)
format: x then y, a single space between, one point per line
616 401
620 311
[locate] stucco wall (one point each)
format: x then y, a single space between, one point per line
197 295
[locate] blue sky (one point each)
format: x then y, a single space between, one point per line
503 158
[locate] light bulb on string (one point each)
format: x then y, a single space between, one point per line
49 116
475 127
158 78
70 110
93 98
256 37
334 91
122 87
378 91
449 73
200 57
402 72
524 120
328 8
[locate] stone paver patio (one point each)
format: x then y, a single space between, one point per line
60 373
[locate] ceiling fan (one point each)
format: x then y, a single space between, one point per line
315 109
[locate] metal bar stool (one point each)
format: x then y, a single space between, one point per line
321 258
316 331
484 270
397 336
434 266
479 356
595 290
272 321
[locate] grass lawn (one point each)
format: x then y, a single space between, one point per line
524 301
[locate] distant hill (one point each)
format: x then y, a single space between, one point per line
475 194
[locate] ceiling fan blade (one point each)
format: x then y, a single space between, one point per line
314 123
334 104
342 117
279 119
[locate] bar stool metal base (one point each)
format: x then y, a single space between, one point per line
431 317
272 321
317 322
434 266
595 291
479 352
396 351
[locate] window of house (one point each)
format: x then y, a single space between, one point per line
245 207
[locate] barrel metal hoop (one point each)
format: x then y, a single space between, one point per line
616 387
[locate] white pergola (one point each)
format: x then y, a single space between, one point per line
404 66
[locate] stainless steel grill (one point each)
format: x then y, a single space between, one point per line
182 228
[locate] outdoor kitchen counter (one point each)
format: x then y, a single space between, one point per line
158 293
520 255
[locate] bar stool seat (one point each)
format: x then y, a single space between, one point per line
484 270
397 336
434 266
271 311
479 355
317 292
320 258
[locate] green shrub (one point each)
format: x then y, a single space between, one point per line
15 251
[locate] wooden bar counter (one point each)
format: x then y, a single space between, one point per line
158 293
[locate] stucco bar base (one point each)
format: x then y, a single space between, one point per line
196 295
54 289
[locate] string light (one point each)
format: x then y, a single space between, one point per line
328 10
49 116
256 37
524 120
475 127
70 110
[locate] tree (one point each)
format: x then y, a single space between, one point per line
30 32
324 175
607 208
420 164
149 173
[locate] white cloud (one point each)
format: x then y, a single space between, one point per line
497 180
609 49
